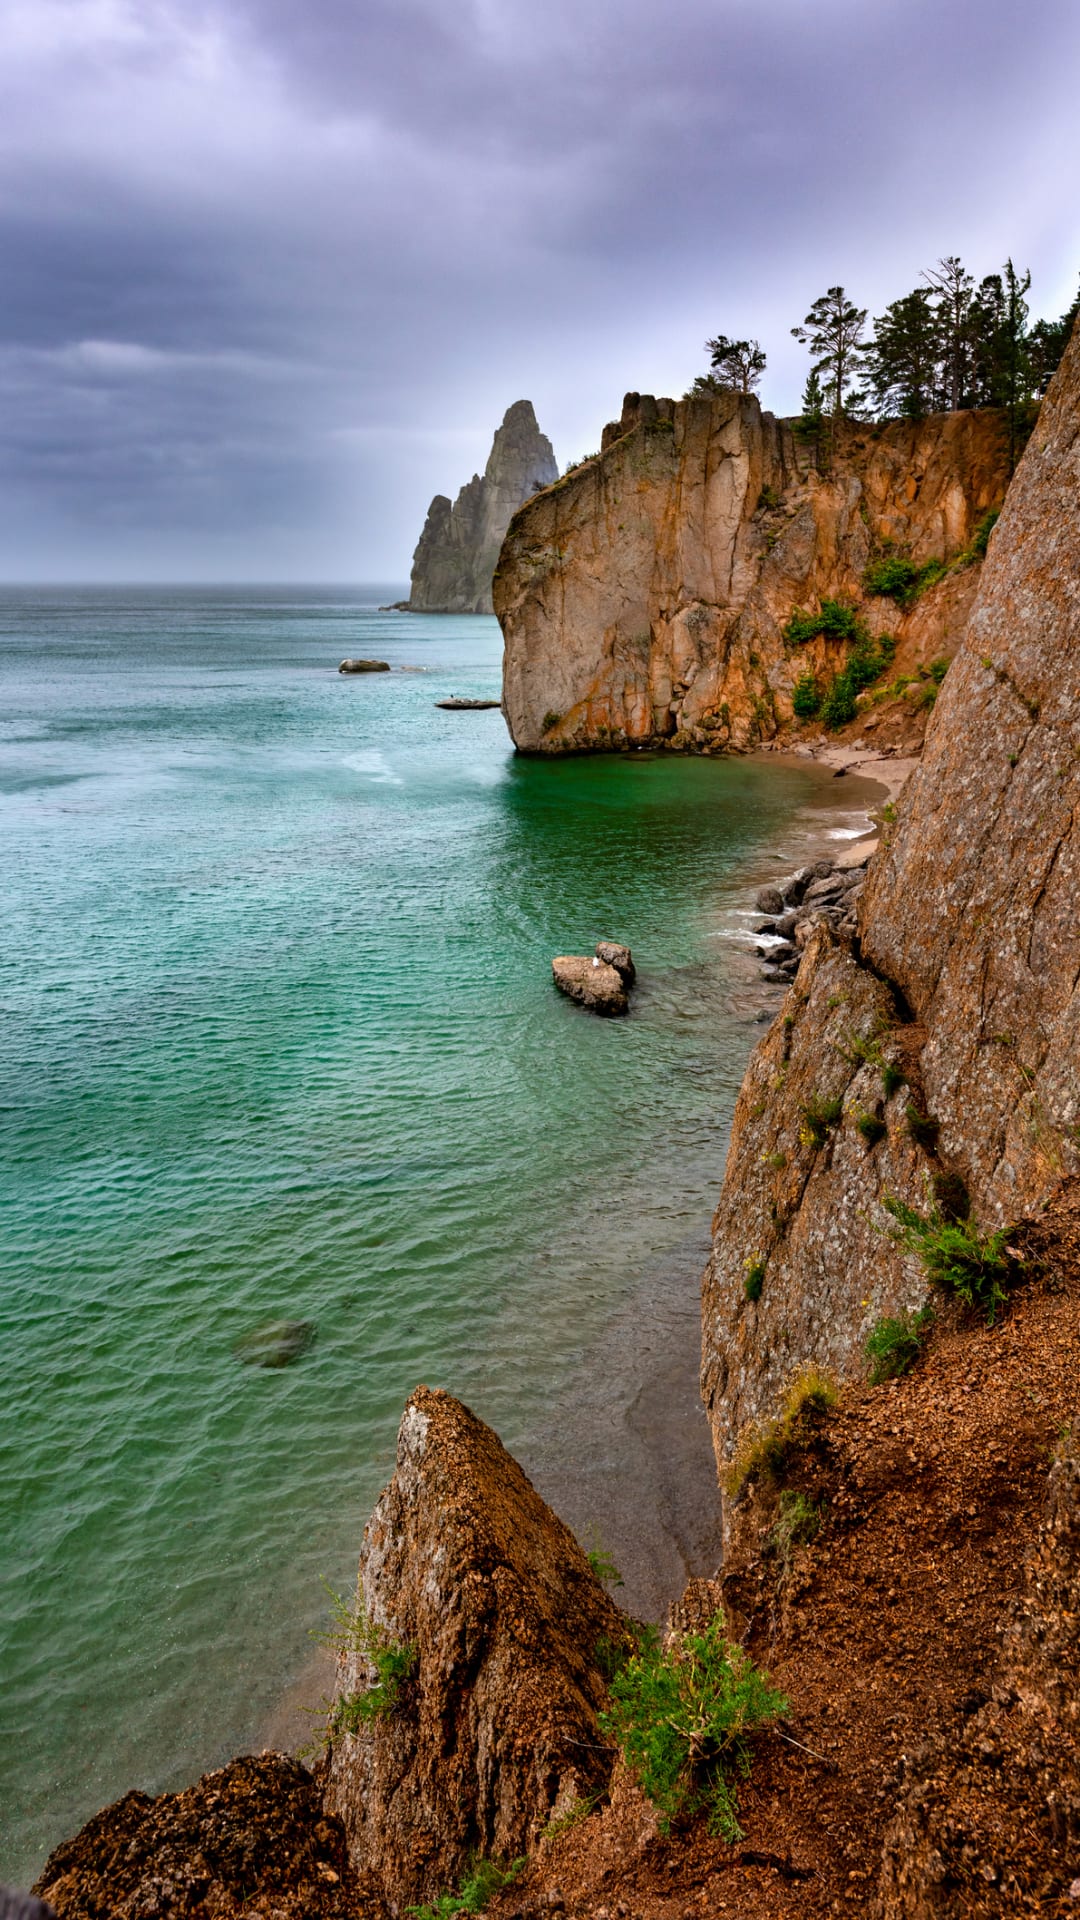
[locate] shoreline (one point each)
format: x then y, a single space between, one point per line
625 1456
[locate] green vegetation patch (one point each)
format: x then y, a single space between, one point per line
894 1344
764 1450
682 1716
819 1116
394 1662
485 1879
955 1256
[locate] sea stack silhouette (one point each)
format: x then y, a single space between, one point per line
459 547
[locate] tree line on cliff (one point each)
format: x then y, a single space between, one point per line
948 344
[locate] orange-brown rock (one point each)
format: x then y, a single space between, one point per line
965 973
642 597
497 1730
251 1839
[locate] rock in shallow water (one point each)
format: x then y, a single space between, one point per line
611 954
364 666
277 1343
590 982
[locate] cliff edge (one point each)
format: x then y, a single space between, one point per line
458 549
932 1059
643 598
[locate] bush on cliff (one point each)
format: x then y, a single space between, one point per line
955 1256
394 1664
682 1714
894 1344
475 1894
764 1451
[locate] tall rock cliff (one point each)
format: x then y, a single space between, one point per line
964 981
459 546
642 598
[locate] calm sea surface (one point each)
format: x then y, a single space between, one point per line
279 1039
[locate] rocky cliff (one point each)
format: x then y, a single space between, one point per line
933 1057
458 549
643 597
495 1734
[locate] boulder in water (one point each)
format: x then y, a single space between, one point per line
364 666
277 1343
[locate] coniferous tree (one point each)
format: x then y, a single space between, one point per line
737 365
813 403
905 357
952 287
833 331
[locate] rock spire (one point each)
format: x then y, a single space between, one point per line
458 549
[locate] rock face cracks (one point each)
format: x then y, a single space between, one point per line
459 546
642 597
963 978
496 1731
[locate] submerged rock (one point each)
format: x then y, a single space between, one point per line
364 666
275 1344
454 705
496 1728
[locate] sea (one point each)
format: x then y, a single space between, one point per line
280 1042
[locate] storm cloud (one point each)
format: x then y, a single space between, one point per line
274 270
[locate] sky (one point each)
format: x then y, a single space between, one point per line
272 270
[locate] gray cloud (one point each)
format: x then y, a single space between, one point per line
273 270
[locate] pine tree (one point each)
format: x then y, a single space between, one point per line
1047 342
737 365
952 287
833 331
905 358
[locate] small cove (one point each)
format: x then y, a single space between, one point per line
281 1042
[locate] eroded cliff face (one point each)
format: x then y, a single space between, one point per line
643 597
459 546
496 1730
964 976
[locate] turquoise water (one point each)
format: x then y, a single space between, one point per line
278 1039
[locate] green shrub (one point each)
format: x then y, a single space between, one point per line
872 1127
839 706
755 1278
819 1115
937 671
980 539
485 1879
923 1128
896 577
799 1523
892 1078
806 696
604 1567
550 722
892 577
394 1663
764 1450
893 1345
835 619
955 1256
768 499
681 1716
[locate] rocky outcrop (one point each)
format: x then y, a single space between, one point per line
496 1730
249 1839
364 666
600 981
459 547
643 597
963 979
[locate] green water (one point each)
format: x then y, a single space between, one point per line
279 1038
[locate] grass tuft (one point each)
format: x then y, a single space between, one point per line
820 1115
485 1879
894 1344
764 1450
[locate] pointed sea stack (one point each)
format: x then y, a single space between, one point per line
457 552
